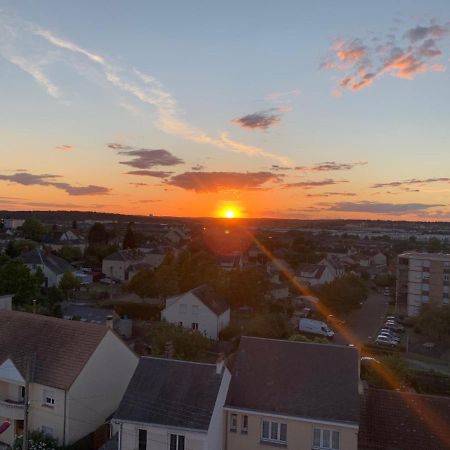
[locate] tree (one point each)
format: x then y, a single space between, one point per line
36 441
33 229
70 253
343 294
143 284
186 344
129 241
15 248
434 322
98 234
74 225
68 283
16 278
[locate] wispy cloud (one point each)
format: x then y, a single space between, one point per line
144 158
412 181
222 181
362 62
332 194
197 167
262 120
64 147
144 87
29 179
149 173
380 208
314 184
330 166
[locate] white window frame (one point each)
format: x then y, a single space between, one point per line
49 398
322 444
177 444
272 426
194 326
233 422
244 423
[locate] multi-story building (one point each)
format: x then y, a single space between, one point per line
422 278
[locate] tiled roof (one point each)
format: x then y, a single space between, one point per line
392 420
310 270
58 348
171 393
39 257
210 299
316 381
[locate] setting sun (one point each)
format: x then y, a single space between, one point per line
229 214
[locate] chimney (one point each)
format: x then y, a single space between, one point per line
220 364
109 322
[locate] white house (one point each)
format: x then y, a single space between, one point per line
198 309
56 240
53 267
335 266
314 274
122 265
77 374
379 259
172 404
13 224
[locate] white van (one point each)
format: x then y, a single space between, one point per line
315 327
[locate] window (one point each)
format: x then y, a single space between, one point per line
244 424
274 432
142 439
325 439
47 431
194 325
233 422
176 442
49 398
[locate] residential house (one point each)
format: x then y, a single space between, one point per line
68 367
53 267
122 265
102 316
198 309
293 395
379 259
56 240
313 274
230 262
334 265
13 224
172 405
402 421
6 302
279 291
176 236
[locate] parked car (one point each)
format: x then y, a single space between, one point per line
389 336
315 327
393 326
387 330
385 341
387 292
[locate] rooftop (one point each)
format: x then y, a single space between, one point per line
58 348
296 379
171 393
424 255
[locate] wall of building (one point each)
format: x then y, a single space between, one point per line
158 438
97 391
299 434
216 431
189 309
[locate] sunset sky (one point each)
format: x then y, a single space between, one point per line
292 109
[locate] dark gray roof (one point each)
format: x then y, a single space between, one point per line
112 444
210 299
39 257
125 255
316 381
171 393
86 313
60 348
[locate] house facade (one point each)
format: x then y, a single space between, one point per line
53 267
67 366
56 240
314 274
198 309
172 405
284 394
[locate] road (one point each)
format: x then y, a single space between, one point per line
363 323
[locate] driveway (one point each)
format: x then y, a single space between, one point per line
365 322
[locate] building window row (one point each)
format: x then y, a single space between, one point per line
324 439
274 432
234 423
176 441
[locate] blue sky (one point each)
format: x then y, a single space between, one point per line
211 63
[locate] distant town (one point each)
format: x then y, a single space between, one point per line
144 332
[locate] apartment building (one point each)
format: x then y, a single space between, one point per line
422 278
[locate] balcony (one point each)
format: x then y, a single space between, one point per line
12 410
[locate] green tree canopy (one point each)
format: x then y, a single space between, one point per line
68 283
98 234
129 241
33 229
